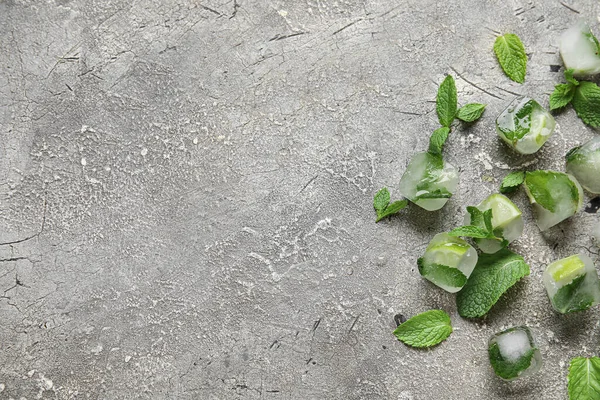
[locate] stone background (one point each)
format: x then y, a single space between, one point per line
186 197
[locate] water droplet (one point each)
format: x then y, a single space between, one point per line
399 319
144 151
83 161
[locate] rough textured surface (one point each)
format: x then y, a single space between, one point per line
186 197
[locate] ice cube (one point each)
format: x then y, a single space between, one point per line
583 163
554 196
513 353
572 284
579 50
525 125
507 221
428 181
448 262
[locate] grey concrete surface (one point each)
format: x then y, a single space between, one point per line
186 197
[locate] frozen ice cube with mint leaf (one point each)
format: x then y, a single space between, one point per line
572 284
513 353
429 181
579 50
448 262
583 163
554 196
507 222
525 125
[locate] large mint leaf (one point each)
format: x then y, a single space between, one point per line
425 330
584 378
493 275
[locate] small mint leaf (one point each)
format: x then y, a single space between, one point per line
425 330
392 209
586 103
446 101
469 231
512 181
569 77
437 140
470 112
511 55
562 95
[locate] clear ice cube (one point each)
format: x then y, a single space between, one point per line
579 50
572 284
513 353
554 196
583 163
448 262
428 181
525 125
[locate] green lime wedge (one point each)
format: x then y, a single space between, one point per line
447 253
567 269
504 211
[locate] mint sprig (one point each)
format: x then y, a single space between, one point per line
493 275
480 228
584 378
425 330
381 203
512 181
512 57
584 96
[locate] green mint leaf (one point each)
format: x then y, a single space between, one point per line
469 231
584 378
493 275
512 181
511 54
435 194
571 297
446 101
573 155
586 103
562 95
437 140
470 112
542 185
442 274
487 219
381 200
425 330
569 76
506 369
476 216
392 209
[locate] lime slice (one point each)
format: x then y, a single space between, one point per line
537 128
448 254
565 270
504 211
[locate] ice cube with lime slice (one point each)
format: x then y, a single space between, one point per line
513 353
448 262
583 163
572 284
525 125
429 181
554 196
579 50
507 222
